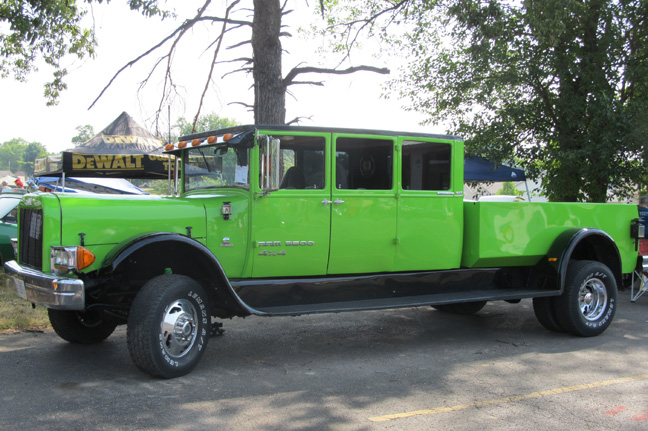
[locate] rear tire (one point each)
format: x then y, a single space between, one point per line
81 328
588 303
545 312
169 326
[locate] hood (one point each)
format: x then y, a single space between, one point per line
108 219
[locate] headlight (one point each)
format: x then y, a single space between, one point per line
64 259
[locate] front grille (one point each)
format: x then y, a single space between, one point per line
30 238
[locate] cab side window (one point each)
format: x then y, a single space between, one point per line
426 166
302 162
364 164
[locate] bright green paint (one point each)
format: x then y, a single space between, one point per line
520 233
303 232
116 217
297 216
430 224
233 258
363 225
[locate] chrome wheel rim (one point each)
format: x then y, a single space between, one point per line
178 329
593 299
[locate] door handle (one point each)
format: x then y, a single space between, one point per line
338 202
325 202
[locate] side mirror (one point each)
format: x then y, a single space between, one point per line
269 162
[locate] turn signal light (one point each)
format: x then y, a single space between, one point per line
84 258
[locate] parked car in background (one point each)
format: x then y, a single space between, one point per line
8 227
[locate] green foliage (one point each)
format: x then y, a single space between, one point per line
50 30
85 133
508 189
204 123
157 187
11 155
560 85
19 155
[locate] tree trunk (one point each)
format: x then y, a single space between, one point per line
269 89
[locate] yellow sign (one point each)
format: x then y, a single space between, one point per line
108 161
122 139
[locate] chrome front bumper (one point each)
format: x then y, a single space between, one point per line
59 293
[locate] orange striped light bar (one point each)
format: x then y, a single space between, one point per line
198 142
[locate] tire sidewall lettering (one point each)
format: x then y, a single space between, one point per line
609 312
201 306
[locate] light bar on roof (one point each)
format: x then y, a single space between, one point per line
199 142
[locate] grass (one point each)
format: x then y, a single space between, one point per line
17 315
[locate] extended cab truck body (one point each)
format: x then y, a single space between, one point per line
280 220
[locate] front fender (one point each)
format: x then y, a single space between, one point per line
146 257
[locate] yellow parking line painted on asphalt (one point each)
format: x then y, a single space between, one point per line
508 399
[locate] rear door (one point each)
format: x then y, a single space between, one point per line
430 204
364 205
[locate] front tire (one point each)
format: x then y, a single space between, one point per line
169 326
81 327
588 303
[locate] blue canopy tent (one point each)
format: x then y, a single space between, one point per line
479 169
89 185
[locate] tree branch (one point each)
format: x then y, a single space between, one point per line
177 34
289 79
180 31
243 69
213 64
246 105
245 42
297 120
317 83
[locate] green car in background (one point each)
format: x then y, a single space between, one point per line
8 228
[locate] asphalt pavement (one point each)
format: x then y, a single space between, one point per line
406 369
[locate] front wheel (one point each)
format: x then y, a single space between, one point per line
169 326
78 327
588 303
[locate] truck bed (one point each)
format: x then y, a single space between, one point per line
500 234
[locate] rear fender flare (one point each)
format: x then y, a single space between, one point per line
582 244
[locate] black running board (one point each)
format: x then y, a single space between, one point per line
381 291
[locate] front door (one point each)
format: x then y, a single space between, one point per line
292 224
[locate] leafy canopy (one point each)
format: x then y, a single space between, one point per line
50 30
19 155
84 134
560 85
204 123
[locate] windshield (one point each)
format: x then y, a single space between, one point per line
218 166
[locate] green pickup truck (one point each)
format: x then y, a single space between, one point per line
282 220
